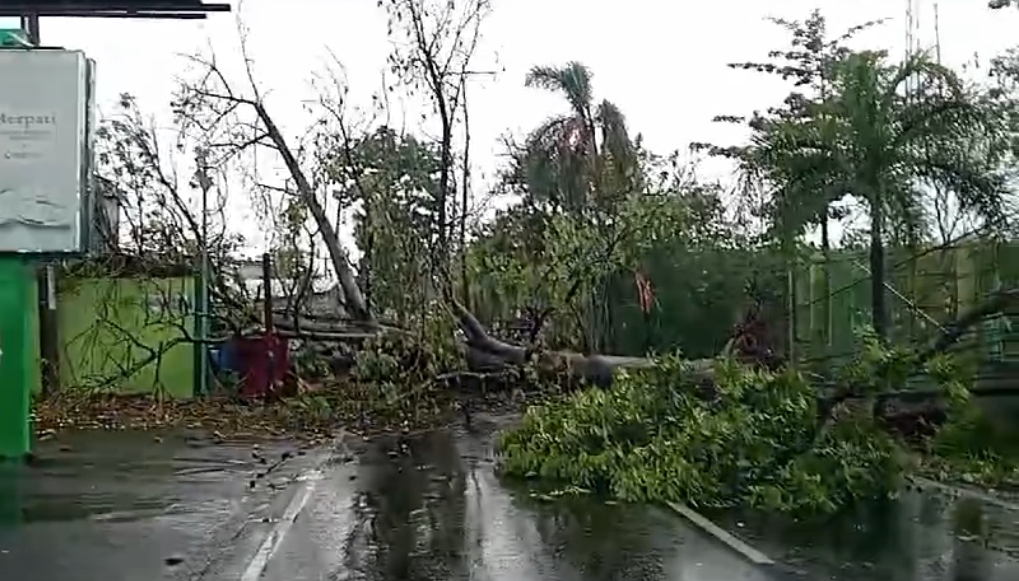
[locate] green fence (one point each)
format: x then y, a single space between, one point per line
696 305
925 290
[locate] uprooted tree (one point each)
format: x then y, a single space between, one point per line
576 170
435 45
773 439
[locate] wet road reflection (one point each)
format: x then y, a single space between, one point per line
431 508
126 506
923 536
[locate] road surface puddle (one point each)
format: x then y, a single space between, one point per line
432 508
925 535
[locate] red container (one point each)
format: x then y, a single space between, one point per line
263 363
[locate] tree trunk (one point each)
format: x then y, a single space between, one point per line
791 300
354 299
826 319
878 308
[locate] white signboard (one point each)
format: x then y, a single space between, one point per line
43 138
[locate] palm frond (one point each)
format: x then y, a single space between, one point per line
573 80
556 133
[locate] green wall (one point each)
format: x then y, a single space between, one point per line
109 327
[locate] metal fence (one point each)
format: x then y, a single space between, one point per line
926 290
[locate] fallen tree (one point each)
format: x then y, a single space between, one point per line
655 437
436 58
767 439
208 106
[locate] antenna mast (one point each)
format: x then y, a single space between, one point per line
910 44
909 29
937 34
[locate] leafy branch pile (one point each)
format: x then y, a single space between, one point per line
748 437
973 450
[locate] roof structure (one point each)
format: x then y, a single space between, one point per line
172 9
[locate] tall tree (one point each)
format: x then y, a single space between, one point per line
433 44
874 141
399 177
583 163
808 63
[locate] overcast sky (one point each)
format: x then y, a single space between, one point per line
662 62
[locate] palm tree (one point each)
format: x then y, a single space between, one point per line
583 158
807 63
882 145
582 163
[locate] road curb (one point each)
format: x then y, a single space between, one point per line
962 490
743 549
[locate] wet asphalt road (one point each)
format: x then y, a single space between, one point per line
126 507
431 509
933 534
118 507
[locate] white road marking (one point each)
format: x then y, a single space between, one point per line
272 542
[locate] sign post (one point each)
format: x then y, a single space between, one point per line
46 120
45 126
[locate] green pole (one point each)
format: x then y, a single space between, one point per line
205 183
16 357
199 386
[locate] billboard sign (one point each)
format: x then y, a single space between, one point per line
44 145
